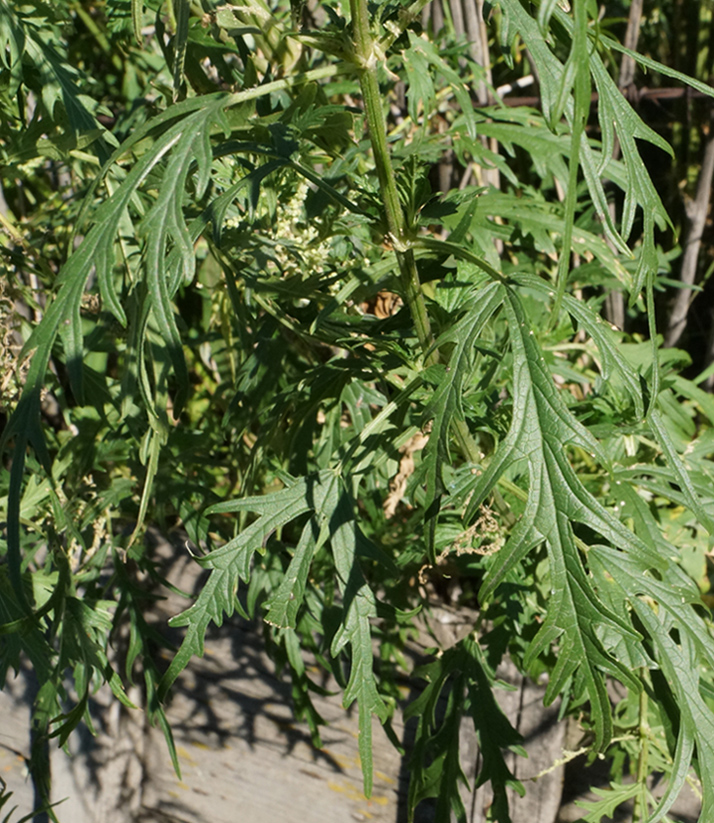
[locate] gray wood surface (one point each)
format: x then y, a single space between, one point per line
243 757
543 738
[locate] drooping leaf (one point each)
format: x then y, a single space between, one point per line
681 646
331 514
446 403
285 603
614 363
231 563
680 474
541 428
420 60
609 800
359 606
461 678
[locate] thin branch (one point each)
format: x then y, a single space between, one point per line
632 35
697 211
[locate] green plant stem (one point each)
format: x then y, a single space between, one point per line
639 811
378 136
366 57
366 50
333 70
417 305
98 35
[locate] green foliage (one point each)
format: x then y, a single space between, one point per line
219 348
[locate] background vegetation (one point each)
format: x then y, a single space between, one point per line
311 284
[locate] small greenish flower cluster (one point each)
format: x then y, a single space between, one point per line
301 251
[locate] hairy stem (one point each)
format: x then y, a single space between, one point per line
366 57
366 50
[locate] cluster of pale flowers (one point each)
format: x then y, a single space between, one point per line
298 249
301 235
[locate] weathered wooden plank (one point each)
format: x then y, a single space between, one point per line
239 747
523 705
543 738
243 756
